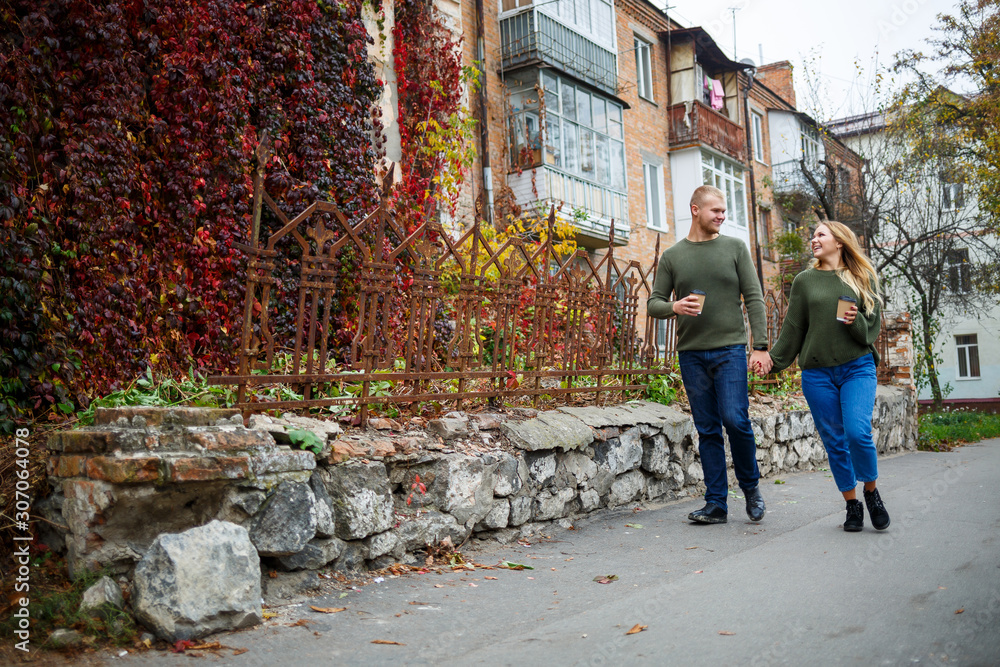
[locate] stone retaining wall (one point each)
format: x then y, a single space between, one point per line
139 473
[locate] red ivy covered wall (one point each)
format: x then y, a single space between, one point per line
127 132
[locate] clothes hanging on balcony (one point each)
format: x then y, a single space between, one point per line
716 95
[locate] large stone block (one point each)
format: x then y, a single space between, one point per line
520 510
286 522
552 504
541 468
626 488
429 528
361 498
507 482
620 454
314 555
550 430
201 581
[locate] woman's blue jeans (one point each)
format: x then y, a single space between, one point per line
841 399
716 385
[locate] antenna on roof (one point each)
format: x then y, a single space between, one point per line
734 10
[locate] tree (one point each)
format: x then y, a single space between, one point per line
929 241
968 49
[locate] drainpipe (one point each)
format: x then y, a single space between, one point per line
753 185
484 126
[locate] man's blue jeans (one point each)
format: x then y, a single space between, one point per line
716 385
841 399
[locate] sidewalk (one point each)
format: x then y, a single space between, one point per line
793 590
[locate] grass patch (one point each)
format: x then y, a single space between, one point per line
939 431
55 603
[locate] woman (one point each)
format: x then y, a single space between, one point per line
838 360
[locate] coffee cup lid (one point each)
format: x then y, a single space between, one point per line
697 291
848 298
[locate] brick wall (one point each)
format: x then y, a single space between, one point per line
778 77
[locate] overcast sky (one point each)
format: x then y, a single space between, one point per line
822 36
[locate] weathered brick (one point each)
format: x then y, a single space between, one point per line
165 416
240 440
341 450
124 470
67 465
207 468
287 460
82 442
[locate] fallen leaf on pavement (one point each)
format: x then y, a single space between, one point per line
301 622
421 604
698 571
779 481
328 610
606 579
240 651
633 525
386 641
636 629
474 585
438 585
726 632
269 614
493 578
515 566
959 611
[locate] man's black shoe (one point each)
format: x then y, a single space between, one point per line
876 510
855 516
755 504
710 513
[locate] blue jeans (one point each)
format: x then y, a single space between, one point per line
841 399
716 385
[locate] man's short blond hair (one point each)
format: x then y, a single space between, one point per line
703 193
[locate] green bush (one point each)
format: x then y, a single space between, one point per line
938 431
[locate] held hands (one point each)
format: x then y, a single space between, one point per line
689 305
760 362
849 316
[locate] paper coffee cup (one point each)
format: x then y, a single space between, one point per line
701 298
843 304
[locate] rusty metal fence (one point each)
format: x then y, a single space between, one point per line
476 320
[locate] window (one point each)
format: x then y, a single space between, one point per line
764 236
810 143
643 70
959 270
968 356
656 214
758 136
952 196
583 133
728 177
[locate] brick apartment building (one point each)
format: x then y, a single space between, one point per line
611 110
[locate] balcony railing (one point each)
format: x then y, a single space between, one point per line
694 123
789 176
531 37
575 197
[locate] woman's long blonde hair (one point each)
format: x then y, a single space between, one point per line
856 269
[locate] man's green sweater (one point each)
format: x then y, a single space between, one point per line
811 329
721 268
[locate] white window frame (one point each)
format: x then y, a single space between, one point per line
643 68
966 352
727 183
655 192
757 123
811 144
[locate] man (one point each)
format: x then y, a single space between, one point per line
711 344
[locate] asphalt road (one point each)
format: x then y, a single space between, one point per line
792 590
